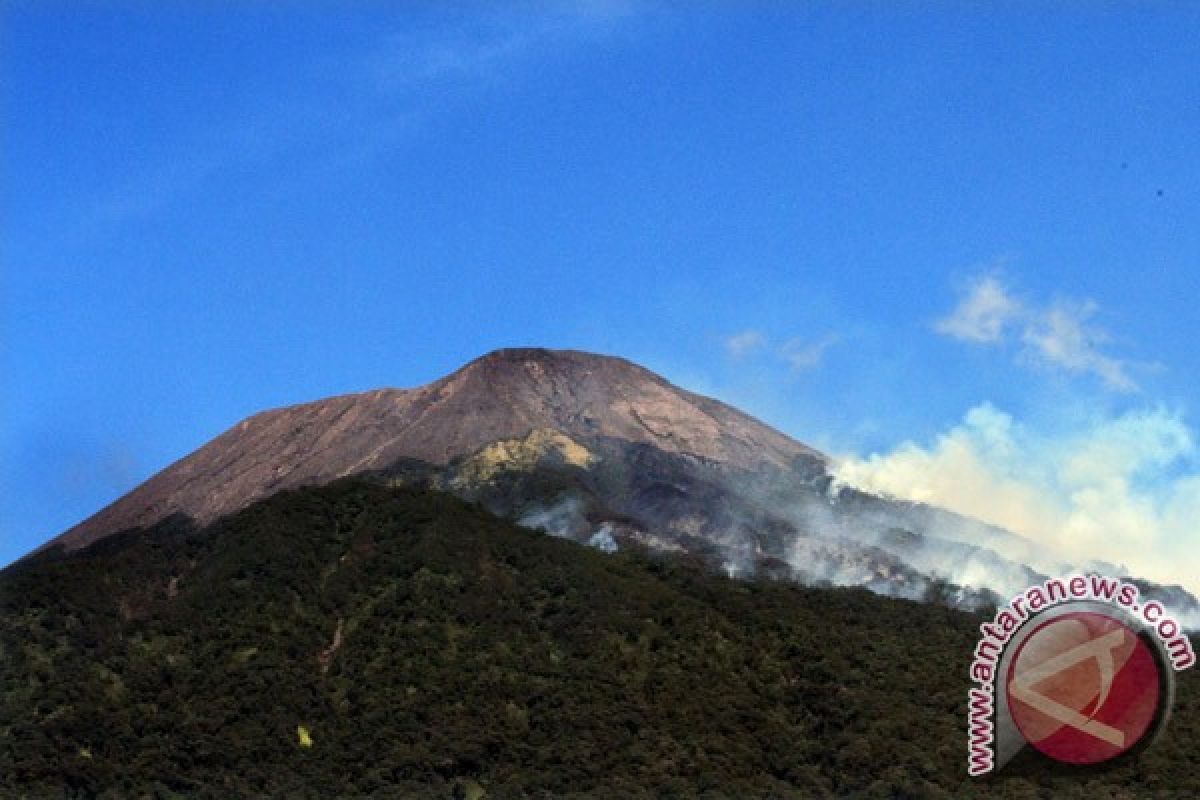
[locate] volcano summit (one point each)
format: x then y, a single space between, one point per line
588 446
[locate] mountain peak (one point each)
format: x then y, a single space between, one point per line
503 395
540 363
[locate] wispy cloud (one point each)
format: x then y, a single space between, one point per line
489 43
407 59
1110 488
376 99
1059 336
985 310
1062 336
743 344
801 354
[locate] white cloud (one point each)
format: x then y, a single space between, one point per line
1062 337
802 355
1056 337
490 43
983 313
743 344
1106 490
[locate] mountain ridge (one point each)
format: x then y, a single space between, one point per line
504 394
602 451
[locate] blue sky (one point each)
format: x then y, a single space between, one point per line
886 230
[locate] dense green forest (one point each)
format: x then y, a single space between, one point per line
360 641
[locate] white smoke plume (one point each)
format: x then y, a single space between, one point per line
563 519
603 539
1116 490
566 520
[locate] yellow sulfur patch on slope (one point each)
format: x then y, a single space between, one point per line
523 454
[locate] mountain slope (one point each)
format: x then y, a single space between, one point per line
430 649
595 448
503 395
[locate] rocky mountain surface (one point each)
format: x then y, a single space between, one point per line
599 450
504 395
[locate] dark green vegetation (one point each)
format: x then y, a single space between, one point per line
434 650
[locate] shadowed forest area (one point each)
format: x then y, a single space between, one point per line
361 641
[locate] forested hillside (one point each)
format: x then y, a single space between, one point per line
359 641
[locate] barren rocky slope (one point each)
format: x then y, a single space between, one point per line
504 395
601 451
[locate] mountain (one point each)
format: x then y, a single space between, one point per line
602 451
356 598
361 641
504 395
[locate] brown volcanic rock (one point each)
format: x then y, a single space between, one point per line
503 395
